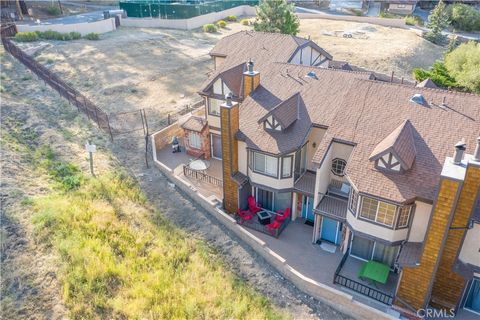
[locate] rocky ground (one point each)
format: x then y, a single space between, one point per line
29 284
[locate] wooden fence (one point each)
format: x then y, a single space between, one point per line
73 96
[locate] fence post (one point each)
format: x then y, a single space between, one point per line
168 119
109 128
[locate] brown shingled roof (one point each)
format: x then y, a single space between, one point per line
371 110
401 143
194 124
286 112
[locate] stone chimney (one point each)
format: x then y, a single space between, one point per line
229 123
251 79
459 151
476 154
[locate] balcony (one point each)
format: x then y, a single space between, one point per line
207 182
346 276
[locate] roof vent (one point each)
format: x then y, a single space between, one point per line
312 75
460 148
418 99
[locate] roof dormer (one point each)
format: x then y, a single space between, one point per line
396 152
283 115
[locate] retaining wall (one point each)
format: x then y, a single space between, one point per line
188 24
101 26
337 299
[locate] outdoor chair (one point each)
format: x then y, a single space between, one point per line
252 205
273 227
282 215
244 215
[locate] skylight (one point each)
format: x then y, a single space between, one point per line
418 99
312 75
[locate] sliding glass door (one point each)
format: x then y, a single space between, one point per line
273 201
367 249
472 302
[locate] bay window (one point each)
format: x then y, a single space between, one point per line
378 211
264 164
287 167
403 216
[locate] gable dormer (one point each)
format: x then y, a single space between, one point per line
283 115
396 152
221 88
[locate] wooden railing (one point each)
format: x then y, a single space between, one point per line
201 176
360 287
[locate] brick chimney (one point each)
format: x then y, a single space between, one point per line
229 123
251 79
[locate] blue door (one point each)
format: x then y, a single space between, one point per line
329 230
307 209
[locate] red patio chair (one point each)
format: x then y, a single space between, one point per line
272 227
244 215
252 205
283 215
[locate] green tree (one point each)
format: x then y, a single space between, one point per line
437 21
438 73
276 16
464 17
463 64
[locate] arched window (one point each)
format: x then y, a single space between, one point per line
338 166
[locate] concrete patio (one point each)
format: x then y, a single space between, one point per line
320 265
176 161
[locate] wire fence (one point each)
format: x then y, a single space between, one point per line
114 124
73 96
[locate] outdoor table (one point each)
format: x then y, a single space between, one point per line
199 165
375 271
264 217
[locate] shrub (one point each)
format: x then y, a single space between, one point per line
245 22
221 24
75 35
210 27
357 12
26 36
464 17
92 36
231 18
413 21
53 10
463 64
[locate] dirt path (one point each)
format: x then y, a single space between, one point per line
29 284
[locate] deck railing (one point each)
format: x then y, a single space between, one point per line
360 287
201 176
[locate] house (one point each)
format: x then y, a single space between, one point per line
403 7
365 163
339 5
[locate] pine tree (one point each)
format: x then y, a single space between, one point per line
437 21
276 16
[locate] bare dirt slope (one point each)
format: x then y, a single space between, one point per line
161 70
30 289
377 48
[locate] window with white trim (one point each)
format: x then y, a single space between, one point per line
353 201
378 211
272 123
338 166
264 164
195 140
287 167
214 106
403 216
